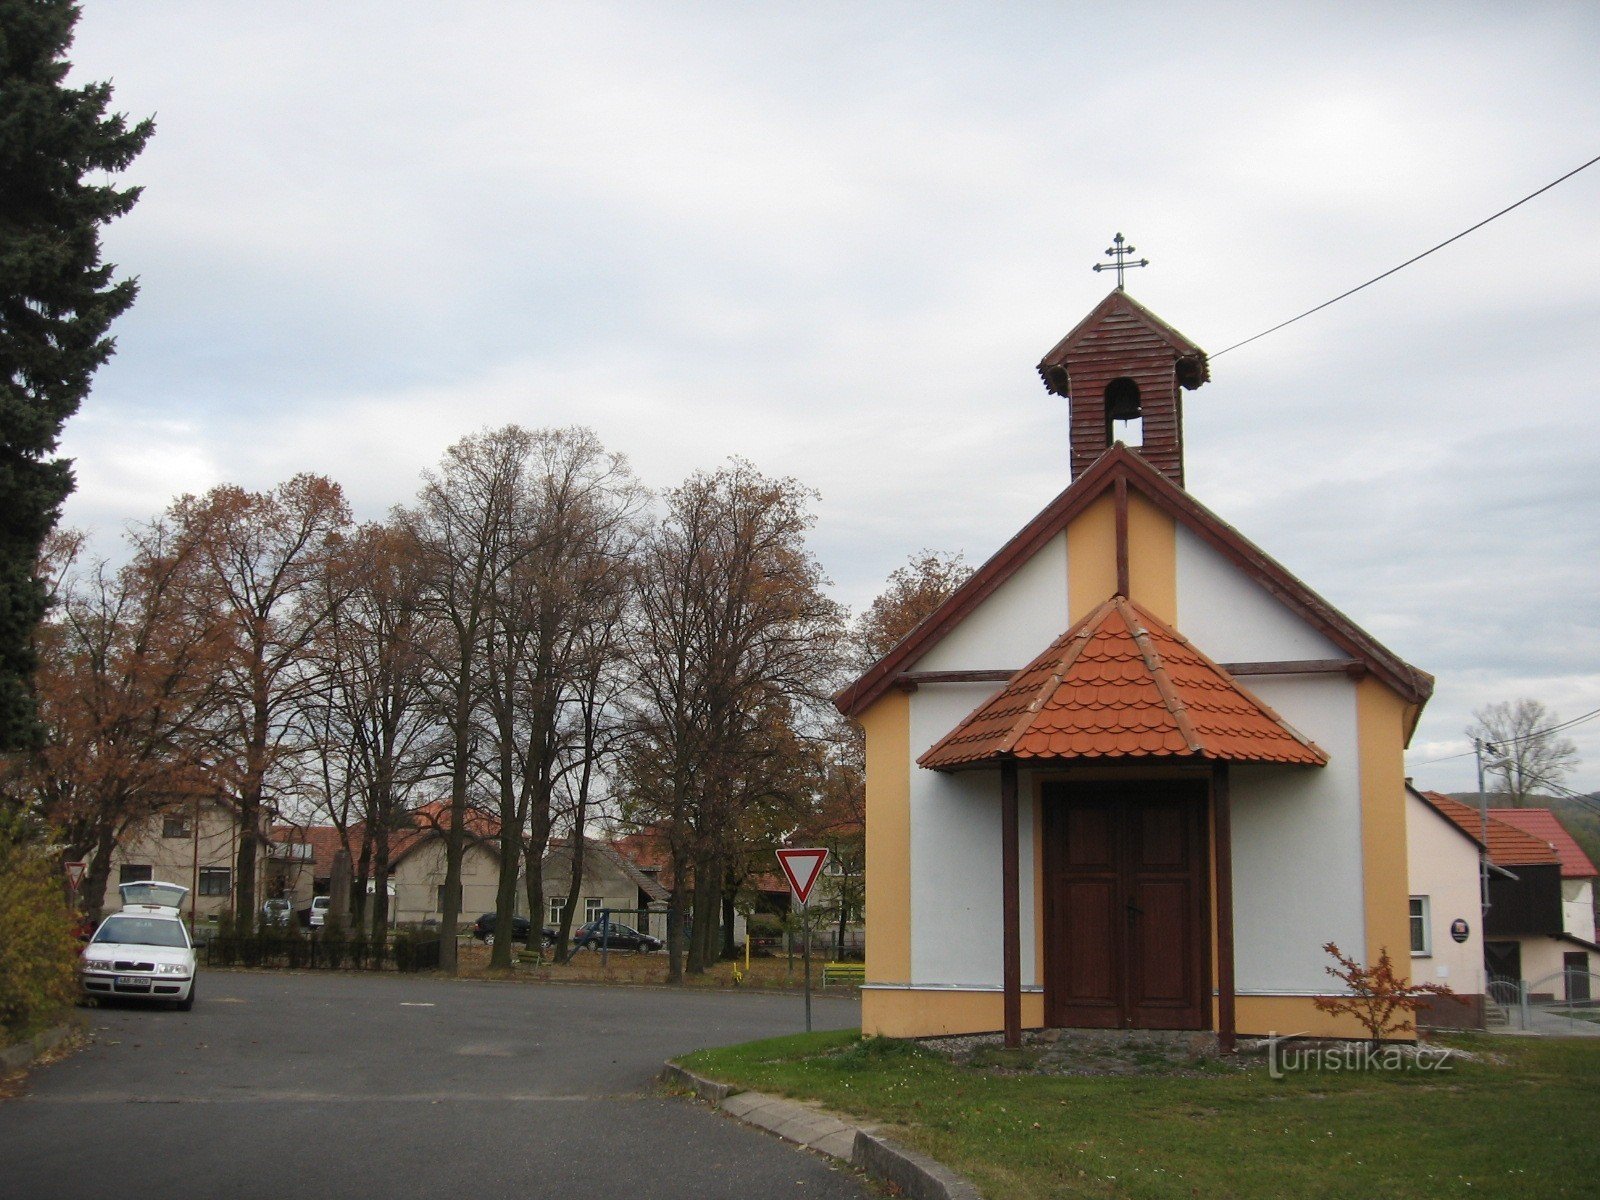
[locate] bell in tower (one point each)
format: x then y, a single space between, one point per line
1123 370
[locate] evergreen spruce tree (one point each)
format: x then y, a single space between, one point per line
57 300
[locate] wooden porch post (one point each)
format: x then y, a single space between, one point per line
1012 939
1222 825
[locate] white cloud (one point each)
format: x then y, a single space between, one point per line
835 240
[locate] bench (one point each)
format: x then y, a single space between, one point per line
839 972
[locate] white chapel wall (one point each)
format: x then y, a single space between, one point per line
1231 617
1014 625
955 855
1297 875
955 819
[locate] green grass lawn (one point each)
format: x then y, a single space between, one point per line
1522 1126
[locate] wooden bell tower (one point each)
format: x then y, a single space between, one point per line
1123 364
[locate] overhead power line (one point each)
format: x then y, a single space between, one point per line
1526 737
1409 261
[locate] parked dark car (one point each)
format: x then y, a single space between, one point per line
621 937
483 929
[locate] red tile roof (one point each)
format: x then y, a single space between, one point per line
1547 827
1121 684
1508 845
1413 685
324 841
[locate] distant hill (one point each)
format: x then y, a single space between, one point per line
1582 820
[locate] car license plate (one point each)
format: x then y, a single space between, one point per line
134 982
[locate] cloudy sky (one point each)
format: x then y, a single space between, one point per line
834 238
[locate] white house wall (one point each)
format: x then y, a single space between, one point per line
1231 617
1443 866
1577 908
1297 845
955 854
955 819
1013 626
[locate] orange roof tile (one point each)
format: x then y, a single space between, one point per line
1547 827
1508 845
1121 684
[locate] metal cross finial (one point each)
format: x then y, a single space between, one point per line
1121 253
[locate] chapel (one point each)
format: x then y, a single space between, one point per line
1133 774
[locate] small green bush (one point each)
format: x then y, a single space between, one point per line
38 954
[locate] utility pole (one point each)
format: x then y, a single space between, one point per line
1479 749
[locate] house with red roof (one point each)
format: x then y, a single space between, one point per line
1444 865
1539 926
1578 873
1133 773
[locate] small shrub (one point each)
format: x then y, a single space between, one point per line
1383 1002
38 954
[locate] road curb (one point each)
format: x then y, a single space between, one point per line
708 1090
24 1054
916 1175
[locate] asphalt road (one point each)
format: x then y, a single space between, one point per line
383 1087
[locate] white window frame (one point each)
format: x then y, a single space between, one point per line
553 910
592 908
1421 909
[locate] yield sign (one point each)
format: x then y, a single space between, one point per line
802 867
75 872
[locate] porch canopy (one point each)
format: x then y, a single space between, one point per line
1120 686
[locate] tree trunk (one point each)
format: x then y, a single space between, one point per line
729 950
456 836
98 875
380 883
675 947
702 945
251 795
505 899
574 890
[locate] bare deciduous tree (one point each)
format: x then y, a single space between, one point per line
258 558
463 526
1527 757
733 625
378 736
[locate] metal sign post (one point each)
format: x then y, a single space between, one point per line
803 868
805 927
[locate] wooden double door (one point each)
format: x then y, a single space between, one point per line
1127 942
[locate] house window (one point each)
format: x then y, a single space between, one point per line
1421 940
135 873
175 827
438 898
558 905
215 881
591 908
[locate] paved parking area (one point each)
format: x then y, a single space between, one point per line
388 1088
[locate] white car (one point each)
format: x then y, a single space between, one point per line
143 952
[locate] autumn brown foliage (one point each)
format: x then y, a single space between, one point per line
1382 1001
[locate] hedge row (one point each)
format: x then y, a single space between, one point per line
38 953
